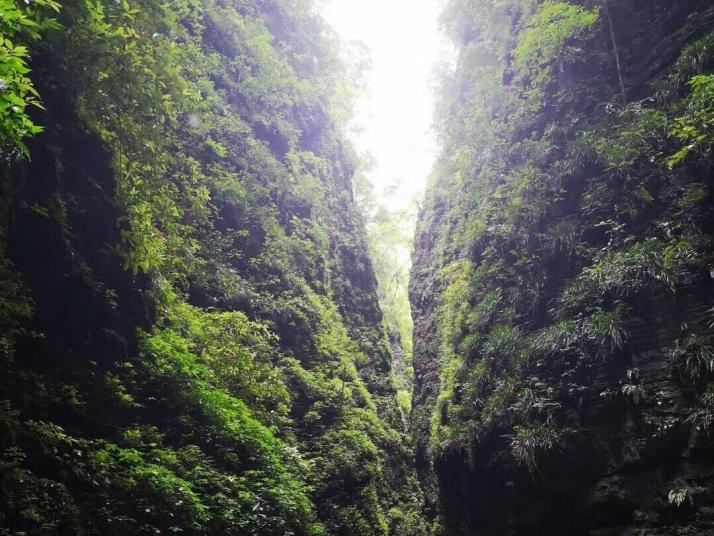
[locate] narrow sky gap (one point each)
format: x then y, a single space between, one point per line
393 119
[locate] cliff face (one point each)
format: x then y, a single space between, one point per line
562 288
191 336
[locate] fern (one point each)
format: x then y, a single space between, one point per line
529 441
694 357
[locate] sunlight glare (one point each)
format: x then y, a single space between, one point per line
393 120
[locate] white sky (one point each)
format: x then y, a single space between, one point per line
393 121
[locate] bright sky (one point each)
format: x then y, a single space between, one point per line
393 121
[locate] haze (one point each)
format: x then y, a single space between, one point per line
393 119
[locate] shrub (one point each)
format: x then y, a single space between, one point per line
19 23
703 417
530 440
635 392
562 237
694 357
695 128
693 60
504 346
605 330
559 338
680 496
145 492
546 38
622 273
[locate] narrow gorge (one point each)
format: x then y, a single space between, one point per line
205 329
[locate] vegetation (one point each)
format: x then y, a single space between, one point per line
183 252
546 38
204 312
559 221
19 24
694 357
389 242
694 129
527 442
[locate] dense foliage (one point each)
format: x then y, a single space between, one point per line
19 24
389 242
191 337
571 202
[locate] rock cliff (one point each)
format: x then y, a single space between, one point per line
563 279
191 339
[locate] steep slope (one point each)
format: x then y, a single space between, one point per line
563 286
191 336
